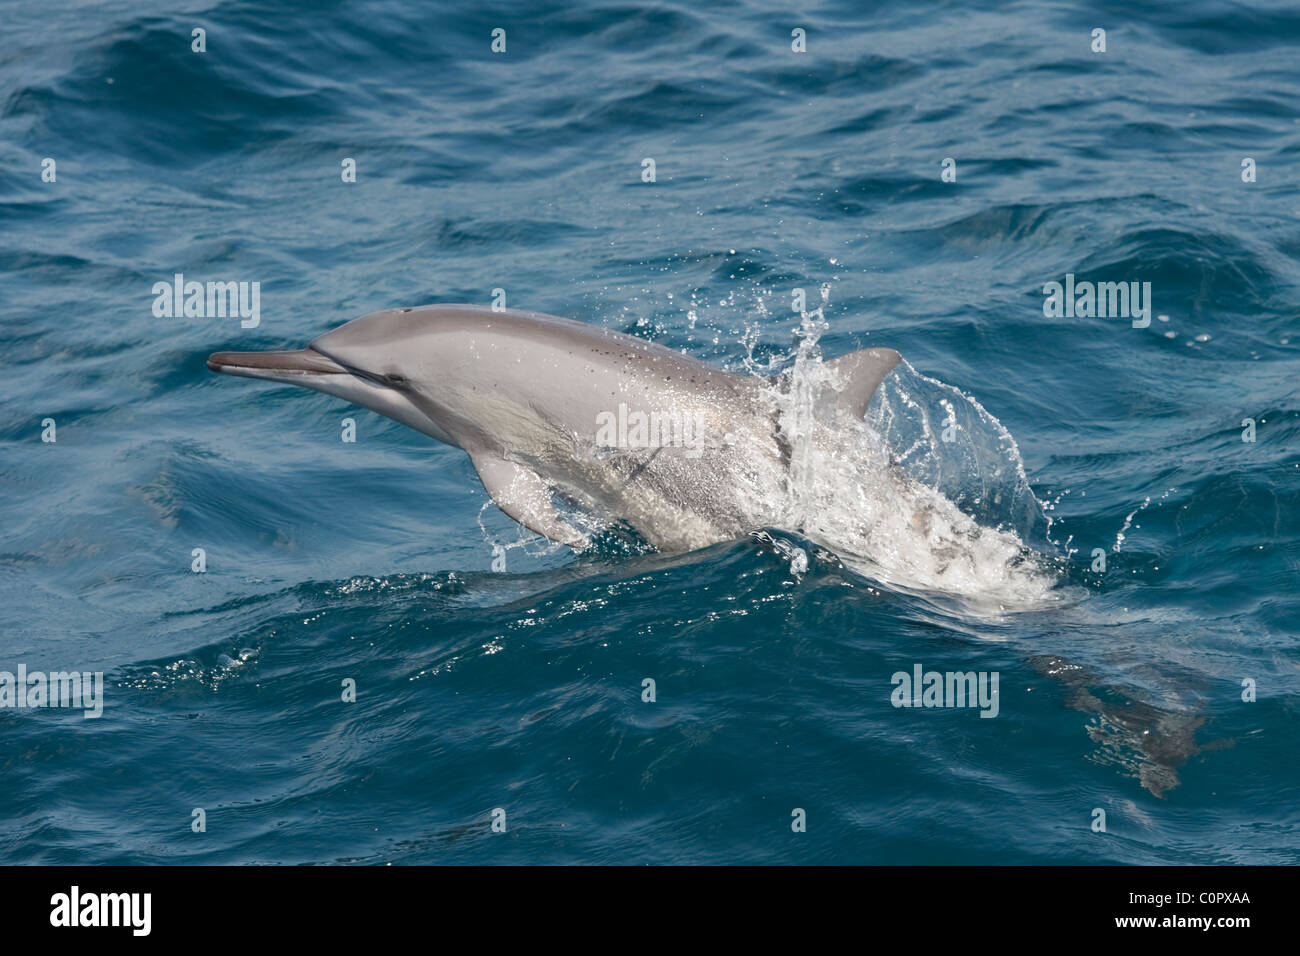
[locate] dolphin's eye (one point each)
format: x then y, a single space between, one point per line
393 378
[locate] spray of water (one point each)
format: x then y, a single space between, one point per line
920 504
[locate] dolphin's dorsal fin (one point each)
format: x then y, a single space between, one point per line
860 374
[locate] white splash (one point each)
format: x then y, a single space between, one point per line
886 511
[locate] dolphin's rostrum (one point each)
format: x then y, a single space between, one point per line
686 454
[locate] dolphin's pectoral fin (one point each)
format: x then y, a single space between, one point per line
860 374
522 494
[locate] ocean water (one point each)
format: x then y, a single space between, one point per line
496 673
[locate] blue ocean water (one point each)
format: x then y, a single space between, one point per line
1121 690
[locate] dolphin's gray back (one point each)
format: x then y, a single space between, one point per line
552 336
570 370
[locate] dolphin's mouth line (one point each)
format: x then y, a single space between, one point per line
306 361
396 382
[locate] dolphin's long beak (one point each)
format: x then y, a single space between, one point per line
291 366
316 370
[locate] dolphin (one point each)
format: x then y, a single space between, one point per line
554 410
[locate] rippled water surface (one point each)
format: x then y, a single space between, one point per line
1121 689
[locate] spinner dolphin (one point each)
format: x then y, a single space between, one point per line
550 409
